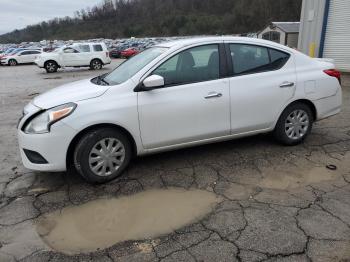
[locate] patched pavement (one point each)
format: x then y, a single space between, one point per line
276 203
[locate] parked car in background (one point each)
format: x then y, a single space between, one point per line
93 55
25 56
175 95
115 52
129 52
6 52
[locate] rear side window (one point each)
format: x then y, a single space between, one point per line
84 48
250 59
98 48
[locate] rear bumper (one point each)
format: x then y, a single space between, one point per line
329 106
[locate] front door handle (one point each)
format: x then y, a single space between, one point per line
286 84
213 95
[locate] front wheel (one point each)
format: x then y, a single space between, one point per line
51 67
12 62
294 125
96 64
102 155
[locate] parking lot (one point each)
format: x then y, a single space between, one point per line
271 203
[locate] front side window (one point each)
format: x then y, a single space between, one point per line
192 65
70 50
84 48
133 65
250 59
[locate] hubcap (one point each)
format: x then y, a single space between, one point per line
51 67
297 124
96 65
106 157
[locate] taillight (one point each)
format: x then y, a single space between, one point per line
334 73
107 54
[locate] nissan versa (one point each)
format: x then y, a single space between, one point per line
174 95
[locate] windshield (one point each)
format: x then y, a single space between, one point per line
130 67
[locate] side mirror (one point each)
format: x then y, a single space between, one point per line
152 82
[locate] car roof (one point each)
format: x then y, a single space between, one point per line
197 40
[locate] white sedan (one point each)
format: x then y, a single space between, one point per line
174 95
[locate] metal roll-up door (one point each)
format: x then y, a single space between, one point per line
337 40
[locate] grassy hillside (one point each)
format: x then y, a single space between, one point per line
125 18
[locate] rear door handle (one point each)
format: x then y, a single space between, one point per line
213 95
286 84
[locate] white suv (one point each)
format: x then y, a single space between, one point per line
21 57
174 95
93 55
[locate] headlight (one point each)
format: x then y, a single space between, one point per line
41 123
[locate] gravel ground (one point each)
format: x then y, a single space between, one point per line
276 203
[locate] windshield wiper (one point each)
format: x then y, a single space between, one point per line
101 79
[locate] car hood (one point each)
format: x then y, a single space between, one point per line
72 92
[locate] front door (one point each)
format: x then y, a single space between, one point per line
193 105
71 57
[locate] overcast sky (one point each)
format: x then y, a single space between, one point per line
17 14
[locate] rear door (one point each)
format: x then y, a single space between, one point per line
263 81
85 54
194 103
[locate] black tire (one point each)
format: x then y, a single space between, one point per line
51 67
96 64
280 132
84 148
12 62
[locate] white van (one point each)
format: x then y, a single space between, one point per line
93 55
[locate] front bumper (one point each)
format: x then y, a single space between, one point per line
52 146
39 64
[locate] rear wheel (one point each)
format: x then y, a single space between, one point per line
96 64
12 62
294 125
102 155
51 67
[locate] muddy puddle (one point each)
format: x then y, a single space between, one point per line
278 179
102 223
289 177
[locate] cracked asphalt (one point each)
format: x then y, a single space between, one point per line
278 203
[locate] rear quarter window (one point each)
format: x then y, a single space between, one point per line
278 58
98 48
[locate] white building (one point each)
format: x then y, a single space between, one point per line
325 31
285 33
